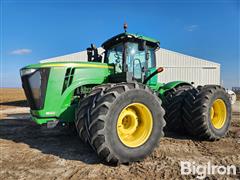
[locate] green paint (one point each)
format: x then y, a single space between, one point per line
60 103
162 88
57 105
70 64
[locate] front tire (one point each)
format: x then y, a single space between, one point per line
134 107
83 109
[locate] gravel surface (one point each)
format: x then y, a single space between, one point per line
29 151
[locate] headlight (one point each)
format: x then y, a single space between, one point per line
24 72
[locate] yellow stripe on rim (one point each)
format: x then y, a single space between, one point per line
77 65
218 113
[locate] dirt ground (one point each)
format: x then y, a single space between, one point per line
32 152
11 97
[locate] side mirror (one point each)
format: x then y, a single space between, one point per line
89 54
142 45
93 55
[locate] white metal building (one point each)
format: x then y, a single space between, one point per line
176 66
187 68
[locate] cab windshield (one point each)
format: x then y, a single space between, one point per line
135 59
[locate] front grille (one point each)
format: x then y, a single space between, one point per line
35 86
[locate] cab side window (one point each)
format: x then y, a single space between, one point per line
114 56
151 55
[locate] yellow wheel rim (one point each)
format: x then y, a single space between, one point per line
218 113
134 125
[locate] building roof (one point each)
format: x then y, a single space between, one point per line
164 57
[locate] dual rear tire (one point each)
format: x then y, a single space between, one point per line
173 104
207 112
202 112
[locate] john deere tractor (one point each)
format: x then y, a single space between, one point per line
117 104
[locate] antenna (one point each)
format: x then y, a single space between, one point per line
125 26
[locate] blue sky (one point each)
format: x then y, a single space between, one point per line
35 30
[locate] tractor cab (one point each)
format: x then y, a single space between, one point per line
132 55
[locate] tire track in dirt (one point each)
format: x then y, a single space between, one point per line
31 152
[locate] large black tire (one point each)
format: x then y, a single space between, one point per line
81 115
197 112
103 117
83 109
173 103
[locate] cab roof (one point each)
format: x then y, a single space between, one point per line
127 36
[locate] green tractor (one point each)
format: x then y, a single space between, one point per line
117 104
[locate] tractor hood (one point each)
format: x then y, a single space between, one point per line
67 64
50 87
33 67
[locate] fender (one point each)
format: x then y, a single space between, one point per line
68 94
162 88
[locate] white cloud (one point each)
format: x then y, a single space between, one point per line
191 28
21 51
